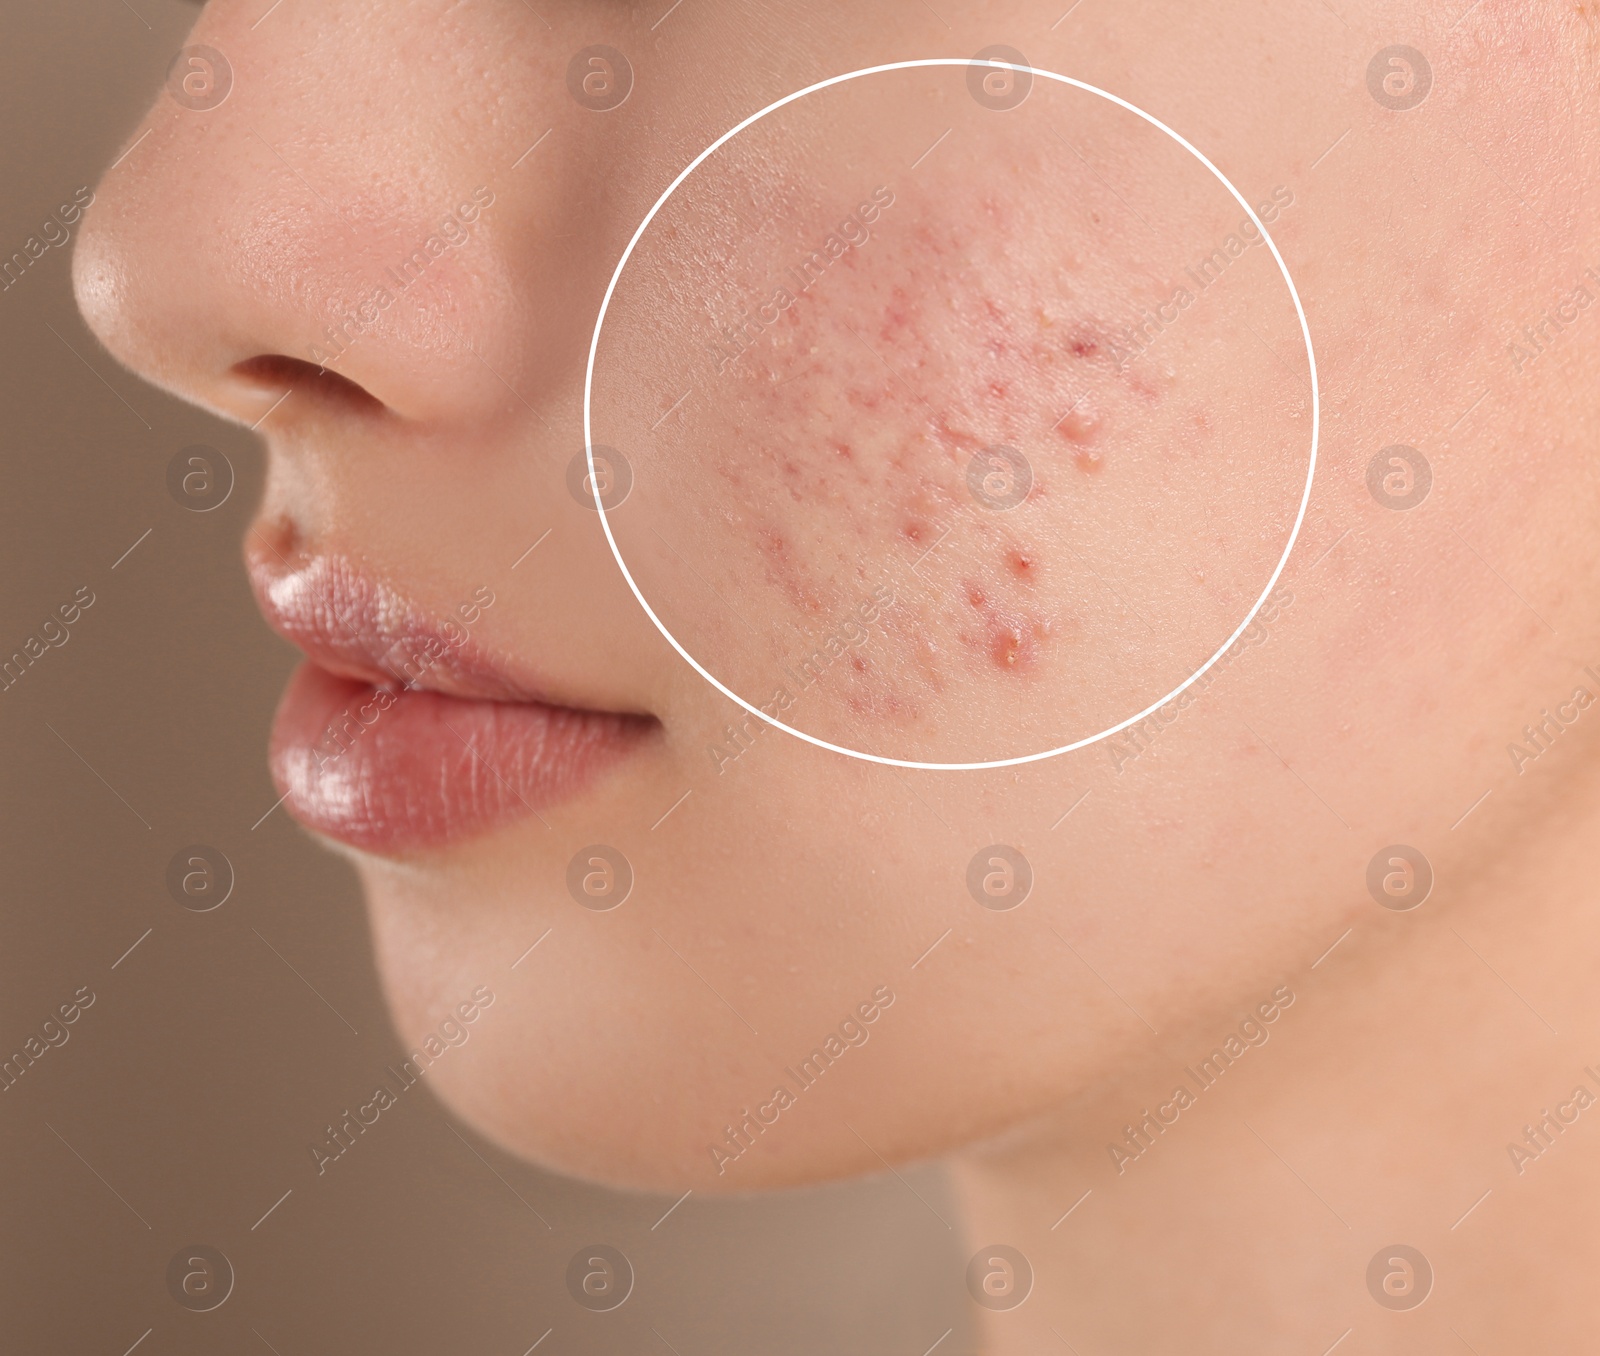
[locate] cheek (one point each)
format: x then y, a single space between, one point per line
1001 423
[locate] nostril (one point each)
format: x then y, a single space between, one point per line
276 373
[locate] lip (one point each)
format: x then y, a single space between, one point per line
401 732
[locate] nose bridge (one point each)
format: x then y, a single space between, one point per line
336 206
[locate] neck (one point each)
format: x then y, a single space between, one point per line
1434 1083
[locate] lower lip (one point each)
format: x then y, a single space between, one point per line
391 770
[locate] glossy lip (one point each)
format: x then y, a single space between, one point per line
402 733
355 627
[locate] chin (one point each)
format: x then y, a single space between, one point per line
635 1094
572 1060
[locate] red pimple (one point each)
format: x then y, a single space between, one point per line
1083 342
998 389
1013 645
1080 425
1006 647
1020 565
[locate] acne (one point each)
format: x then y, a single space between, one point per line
1083 343
873 396
1011 643
1006 647
1083 427
1082 424
1020 566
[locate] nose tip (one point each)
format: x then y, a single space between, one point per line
238 249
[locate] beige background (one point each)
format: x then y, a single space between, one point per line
182 1106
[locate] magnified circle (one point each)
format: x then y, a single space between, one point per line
1006 648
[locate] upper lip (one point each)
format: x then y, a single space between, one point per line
361 628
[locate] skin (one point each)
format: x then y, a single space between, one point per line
1180 876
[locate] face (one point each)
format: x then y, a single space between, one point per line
942 428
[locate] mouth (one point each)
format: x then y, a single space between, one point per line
400 732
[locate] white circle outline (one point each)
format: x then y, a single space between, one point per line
588 438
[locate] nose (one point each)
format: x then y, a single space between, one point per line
319 200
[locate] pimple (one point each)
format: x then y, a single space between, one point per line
1005 645
1014 645
1082 424
975 595
1020 566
